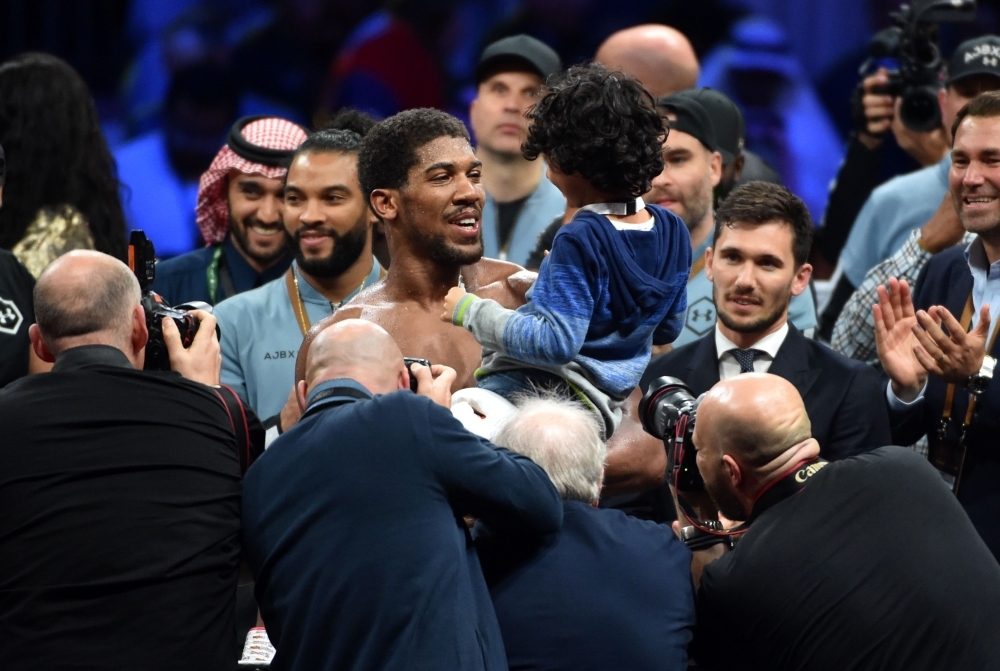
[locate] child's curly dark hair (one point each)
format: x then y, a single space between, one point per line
600 125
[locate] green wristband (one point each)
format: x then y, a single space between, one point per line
462 308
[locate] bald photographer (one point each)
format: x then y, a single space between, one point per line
864 563
120 537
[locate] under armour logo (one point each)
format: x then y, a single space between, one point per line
700 318
10 317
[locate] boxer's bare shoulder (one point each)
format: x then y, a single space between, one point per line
502 281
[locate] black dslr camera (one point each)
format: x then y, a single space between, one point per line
668 411
913 43
142 261
409 361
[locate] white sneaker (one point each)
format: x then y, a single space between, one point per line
257 651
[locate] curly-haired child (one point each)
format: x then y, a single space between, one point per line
614 283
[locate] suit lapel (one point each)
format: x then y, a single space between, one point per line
792 362
703 370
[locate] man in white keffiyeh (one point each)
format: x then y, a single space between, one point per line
239 215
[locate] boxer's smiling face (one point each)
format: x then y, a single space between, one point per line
442 202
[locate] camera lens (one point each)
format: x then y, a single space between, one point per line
662 405
919 110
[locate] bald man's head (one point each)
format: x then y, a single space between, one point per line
755 417
751 428
355 349
86 295
660 57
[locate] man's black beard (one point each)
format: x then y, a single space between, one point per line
759 325
438 250
347 249
240 240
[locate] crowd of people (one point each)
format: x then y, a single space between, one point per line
414 409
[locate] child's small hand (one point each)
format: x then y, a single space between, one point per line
455 294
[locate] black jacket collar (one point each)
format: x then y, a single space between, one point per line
88 356
791 362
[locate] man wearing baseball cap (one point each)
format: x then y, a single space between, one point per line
910 218
239 213
520 201
905 203
692 167
738 165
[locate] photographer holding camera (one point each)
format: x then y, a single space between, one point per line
120 538
353 517
903 204
864 563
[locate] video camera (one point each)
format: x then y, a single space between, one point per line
913 43
668 411
142 261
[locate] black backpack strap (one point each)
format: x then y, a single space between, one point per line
246 427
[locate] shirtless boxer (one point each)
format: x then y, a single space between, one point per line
424 183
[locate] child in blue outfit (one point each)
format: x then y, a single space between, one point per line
615 281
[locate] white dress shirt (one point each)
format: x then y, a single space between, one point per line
768 345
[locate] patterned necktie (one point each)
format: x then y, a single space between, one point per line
745 357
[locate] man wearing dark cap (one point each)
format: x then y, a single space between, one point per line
905 203
520 201
738 166
693 167
239 214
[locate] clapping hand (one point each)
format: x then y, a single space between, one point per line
955 355
896 341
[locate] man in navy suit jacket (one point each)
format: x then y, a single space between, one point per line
950 281
756 264
607 591
353 520
947 281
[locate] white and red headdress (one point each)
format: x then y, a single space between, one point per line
257 146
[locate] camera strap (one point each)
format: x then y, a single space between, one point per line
238 420
793 482
335 392
946 452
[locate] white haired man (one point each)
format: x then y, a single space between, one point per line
607 590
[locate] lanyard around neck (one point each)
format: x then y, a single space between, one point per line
299 306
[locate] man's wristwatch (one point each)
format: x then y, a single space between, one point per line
978 382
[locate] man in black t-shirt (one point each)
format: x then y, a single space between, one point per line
864 563
120 488
16 312
16 315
